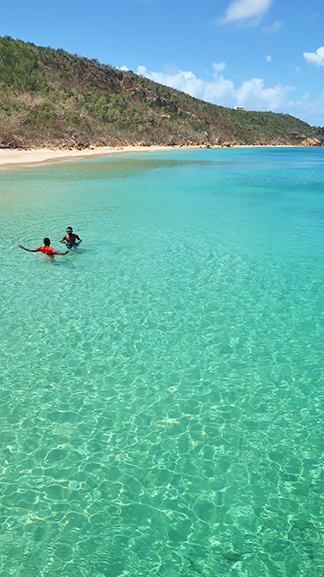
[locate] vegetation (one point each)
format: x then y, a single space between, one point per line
53 98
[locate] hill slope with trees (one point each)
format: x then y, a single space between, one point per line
52 98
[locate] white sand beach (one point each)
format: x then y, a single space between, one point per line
10 158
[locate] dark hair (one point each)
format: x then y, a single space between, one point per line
70 228
47 241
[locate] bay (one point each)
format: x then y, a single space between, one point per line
162 385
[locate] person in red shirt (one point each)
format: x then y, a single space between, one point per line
46 249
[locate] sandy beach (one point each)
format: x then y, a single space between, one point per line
15 158
10 158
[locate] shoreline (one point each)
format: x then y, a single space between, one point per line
19 158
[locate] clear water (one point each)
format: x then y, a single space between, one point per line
162 387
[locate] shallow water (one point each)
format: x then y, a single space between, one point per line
162 386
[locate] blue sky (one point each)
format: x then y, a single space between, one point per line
259 54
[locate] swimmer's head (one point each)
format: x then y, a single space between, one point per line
69 229
47 241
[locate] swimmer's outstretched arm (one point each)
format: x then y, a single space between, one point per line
28 249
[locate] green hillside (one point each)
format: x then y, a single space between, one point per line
53 98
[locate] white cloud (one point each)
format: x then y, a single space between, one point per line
171 68
219 67
308 109
243 11
252 94
269 58
141 70
181 80
273 28
122 68
316 58
219 91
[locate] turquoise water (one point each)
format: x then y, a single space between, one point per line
162 403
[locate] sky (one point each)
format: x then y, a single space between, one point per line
259 54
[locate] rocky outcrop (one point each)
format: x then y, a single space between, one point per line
126 84
168 106
311 142
296 136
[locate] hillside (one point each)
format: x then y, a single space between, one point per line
52 98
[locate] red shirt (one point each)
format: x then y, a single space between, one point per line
46 249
